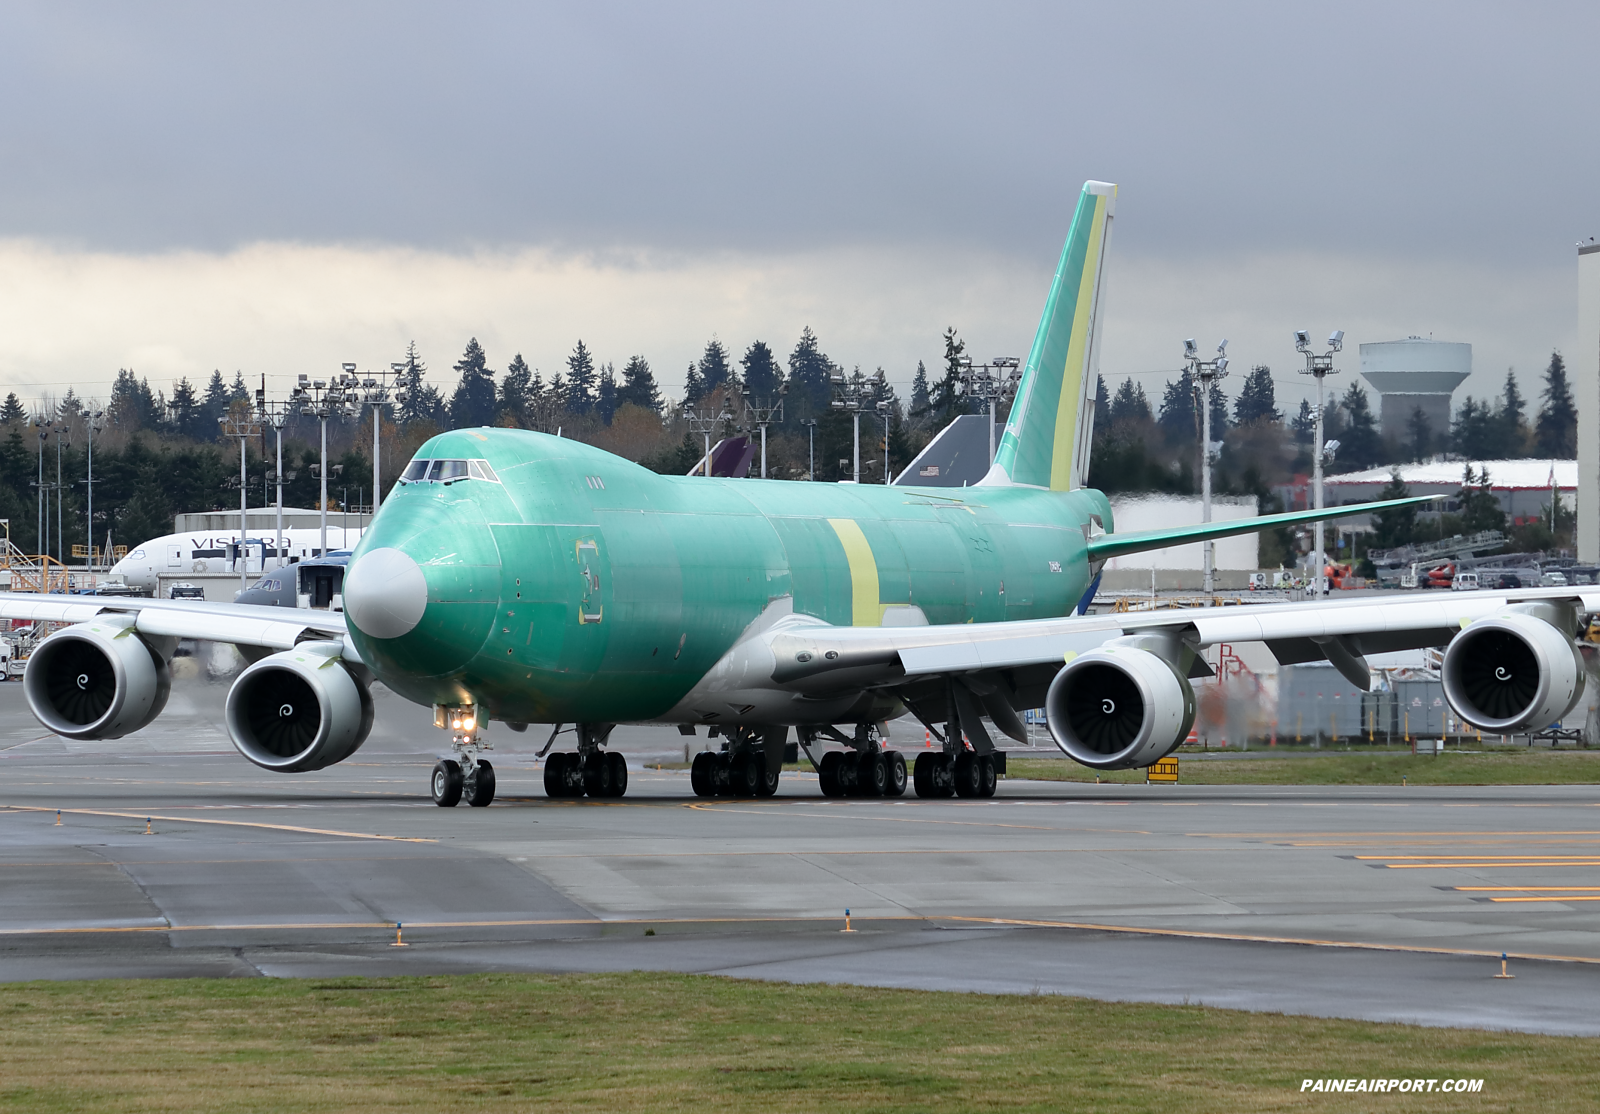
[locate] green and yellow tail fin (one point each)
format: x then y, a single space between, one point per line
1046 441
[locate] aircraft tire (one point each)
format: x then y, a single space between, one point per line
619 773
828 774
969 778
769 779
572 775
700 779
896 786
922 774
872 775
447 783
987 780
554 781
480 789
597 776
745 775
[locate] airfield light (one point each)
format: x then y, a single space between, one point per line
1302 340
1190 349
1336 340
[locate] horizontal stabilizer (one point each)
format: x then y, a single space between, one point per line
1120 545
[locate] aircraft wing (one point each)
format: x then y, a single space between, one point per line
240 624
817 659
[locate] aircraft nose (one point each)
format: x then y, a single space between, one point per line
385 593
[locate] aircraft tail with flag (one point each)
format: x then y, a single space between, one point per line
1047 438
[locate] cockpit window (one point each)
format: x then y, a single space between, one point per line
136 554
444 471
448 471
482 471
414 472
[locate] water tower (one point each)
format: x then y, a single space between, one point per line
1415 374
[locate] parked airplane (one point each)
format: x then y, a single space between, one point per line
524 578
180 554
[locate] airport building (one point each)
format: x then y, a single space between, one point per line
1522 486
1415 374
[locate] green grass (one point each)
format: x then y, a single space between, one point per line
672 1042
1355 767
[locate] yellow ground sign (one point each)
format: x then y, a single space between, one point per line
1164 770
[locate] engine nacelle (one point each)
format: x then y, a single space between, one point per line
1512 672
299 710
1119 707
97 680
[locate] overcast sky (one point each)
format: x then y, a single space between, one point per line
279 188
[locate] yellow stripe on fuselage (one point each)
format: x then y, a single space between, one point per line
1072 377
865 610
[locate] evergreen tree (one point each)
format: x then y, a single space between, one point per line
1556 433
12 411
1180 418
238 390
474 398
763 376
1219 412
694 387
1397 525
71 406
714 367
212 407
1419 435
1360 446
515 386
580 381
1480 507
132 405
1513 418
188 416
945 400
605 401
810 386
1102 399
1129 404
639 385
1257 401
416 400
1472 432
919 396
1305 422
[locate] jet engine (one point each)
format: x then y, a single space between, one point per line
299 710
1512 672
1119 707
98 680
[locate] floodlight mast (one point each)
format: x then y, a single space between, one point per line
855 393
991 382
1319 367
241 421
274 414
1207 371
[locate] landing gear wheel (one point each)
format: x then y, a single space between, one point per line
969 776
769 778
986 776
619 773
747 772
597 776
872 774
923 774
828 774
447 783
555 771
572 775
722 775
896 785
480 787
700 777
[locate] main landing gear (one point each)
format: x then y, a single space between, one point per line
588 771
469 776
748 765
866 770
954 775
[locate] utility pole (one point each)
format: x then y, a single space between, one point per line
989 383
1320 367
762 412
1207 371
811 427
274 414
240 421
887 413
95 425
855 393
41 538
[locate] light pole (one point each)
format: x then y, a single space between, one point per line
375 393
240 421
1207 371
275 414
320 399
40 538
763 411
855 393
703 422
61 549
887 412
1320 367
986 383
95 425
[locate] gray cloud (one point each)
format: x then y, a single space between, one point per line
1431 130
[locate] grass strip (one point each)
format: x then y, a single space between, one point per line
1363 767
638 1041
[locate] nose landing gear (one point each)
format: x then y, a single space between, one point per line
472 777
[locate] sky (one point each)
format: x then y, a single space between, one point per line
279 188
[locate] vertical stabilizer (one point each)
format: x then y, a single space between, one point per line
1046 441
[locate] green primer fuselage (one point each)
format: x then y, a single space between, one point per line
585 588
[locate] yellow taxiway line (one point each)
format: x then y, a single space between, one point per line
225 823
